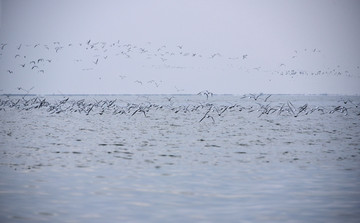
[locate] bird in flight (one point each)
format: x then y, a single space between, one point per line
2 46
139 82
178 90
207 93
154 82
169 98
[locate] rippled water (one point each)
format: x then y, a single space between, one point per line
239 166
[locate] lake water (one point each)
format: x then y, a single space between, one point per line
131 158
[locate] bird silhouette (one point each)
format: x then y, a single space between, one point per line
139 82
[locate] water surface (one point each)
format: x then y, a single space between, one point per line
62 163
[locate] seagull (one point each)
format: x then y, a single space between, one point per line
257 68
215 54
2 46
207 93
27 91
169 98
34 67
97 60
244 56
10 71
255 96
58 48
178 90
267 98
139 82
154 82
207 116
139 110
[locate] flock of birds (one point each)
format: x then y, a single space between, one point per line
90 54
204 108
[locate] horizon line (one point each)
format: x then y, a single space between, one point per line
188 94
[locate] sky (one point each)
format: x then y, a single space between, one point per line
180 47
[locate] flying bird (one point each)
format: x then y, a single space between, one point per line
207 93
169 98
139 82
178 90
2 46
27 91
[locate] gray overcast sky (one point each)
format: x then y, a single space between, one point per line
286 42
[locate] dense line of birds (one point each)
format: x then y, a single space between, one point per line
95 53
259 103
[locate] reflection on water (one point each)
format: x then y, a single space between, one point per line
163 164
